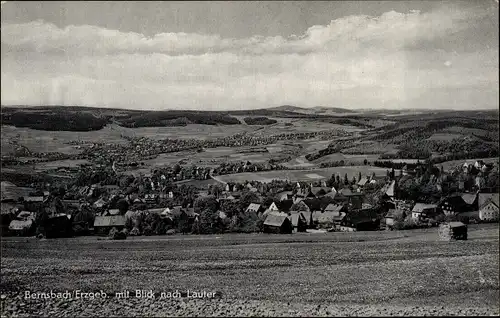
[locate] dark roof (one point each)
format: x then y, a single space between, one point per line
275 219
284 205
453 199
360 216
313 204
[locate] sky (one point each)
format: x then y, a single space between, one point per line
246 55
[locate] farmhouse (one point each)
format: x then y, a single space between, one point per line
421 210
488 207
361 220
454 204
104 224
330 217
275 223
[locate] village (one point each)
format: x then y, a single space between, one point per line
102 201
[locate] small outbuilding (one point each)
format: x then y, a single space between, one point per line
452 231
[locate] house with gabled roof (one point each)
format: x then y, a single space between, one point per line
458 203
276 223
488 207
421 210
361 220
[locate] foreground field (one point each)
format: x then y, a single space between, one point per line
331 274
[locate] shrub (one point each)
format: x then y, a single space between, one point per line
259 121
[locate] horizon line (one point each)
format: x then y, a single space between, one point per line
259 108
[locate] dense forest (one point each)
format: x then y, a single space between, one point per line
67 121
259 121
177 118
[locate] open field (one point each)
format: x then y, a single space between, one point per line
330 274
371 147
303 175
347 158
56 141
212 157
42 166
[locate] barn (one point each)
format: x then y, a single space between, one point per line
278 223
103 224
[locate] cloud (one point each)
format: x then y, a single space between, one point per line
355 61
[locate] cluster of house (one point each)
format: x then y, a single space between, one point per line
18 200
468 207
318 207
304 208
